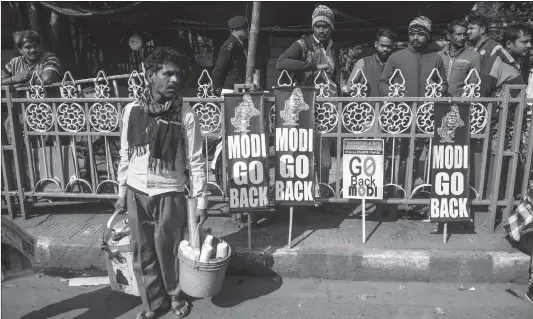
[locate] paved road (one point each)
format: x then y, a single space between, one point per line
45 297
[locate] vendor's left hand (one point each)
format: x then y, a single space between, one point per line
201 216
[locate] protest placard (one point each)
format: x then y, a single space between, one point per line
294 131
246 143
450 163
362 168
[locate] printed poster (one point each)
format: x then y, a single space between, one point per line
450 163
246 145
294 144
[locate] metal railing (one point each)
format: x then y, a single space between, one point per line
78 129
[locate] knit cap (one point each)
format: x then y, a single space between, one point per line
421 24
323 13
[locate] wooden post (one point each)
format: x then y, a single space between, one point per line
252 43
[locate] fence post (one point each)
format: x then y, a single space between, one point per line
16 140
512 170
502 127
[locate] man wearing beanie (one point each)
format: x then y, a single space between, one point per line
304 59
415 62
230 68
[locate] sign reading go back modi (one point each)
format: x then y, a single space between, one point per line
450 163
362 169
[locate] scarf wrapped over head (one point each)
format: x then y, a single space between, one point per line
156 128
421 24
324 14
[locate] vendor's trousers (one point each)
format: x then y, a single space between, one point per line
156 225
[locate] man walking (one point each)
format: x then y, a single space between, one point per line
305 59
458 59
373 65
230 67
160 138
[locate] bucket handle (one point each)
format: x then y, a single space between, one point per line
110 223
198 236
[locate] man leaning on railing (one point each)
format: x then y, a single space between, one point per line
33 59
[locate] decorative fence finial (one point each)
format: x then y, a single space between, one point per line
472 85
323 88
101 90
68 86
433 89
205 90
281 76
397 89
36 88
359 89
135 84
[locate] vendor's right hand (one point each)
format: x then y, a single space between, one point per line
21 77
120 205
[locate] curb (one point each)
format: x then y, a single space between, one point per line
360 265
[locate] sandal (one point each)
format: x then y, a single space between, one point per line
181 309
142 315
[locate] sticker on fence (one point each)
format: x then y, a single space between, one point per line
450 163
362 166
247 152
294 145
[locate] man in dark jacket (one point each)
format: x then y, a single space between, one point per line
230 68
373 65
458 59
305 59
415 62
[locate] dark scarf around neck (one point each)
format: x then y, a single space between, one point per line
155 127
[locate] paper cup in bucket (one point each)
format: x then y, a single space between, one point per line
202 280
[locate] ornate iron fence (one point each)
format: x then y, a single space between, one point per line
81 134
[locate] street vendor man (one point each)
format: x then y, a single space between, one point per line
230 67
304 60
33 58
159 140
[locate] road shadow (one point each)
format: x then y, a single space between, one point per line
237 290
102 304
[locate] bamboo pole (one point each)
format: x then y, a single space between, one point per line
252 43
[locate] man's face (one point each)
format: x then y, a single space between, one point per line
475 32
521 47
167 80
31 51
243 34
418 40
384 47
458 37
322 31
